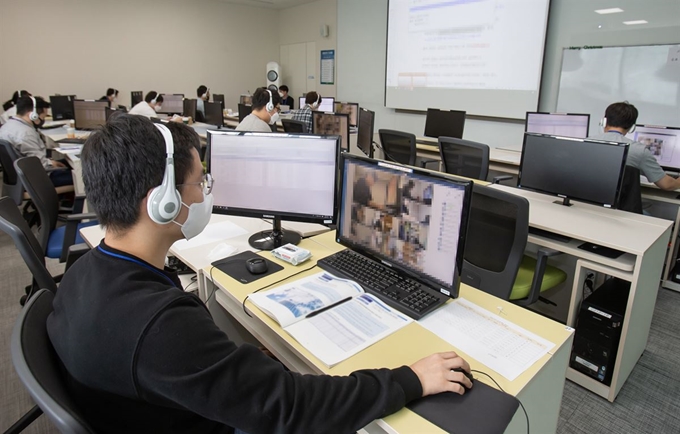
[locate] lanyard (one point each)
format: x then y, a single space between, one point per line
127 258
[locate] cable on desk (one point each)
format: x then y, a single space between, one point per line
271 284
194 279
311 238
499 386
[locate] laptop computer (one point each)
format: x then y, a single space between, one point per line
405 232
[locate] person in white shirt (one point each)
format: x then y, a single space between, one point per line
151 104
202 94
266 106
9 106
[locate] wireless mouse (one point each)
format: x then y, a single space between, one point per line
256 265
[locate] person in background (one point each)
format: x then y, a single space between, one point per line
202 94
619 119
9 106
285 98
151 104
261 118
111 95
22 133
312 102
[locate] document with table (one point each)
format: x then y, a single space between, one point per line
333 318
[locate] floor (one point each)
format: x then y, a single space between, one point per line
648 403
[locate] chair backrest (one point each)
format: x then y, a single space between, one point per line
11 186
39 368
497 233
14 225
630 197
398 146
292 126
36 181
464 157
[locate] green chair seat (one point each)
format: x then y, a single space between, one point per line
552 277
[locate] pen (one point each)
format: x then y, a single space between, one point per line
323 309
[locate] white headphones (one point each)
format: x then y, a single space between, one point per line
603 124
153 101
205 94
270 105
165 201
318 101
34 114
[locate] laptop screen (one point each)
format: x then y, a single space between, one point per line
410 219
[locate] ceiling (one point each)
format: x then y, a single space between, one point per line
270 4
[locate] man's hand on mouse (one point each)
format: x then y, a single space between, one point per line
436 375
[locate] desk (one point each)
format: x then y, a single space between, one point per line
644 240
539 388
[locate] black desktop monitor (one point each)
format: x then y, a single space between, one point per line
274 176
662 142
412 219
62 106
580 169
333 124
89 115
189 108
219 98
246 99
365 132
327 104
350 108
558 124
243 111
444 123
213 114
172 103
136 96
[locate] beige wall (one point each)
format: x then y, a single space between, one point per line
301 25
85 46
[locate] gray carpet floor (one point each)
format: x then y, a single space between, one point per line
648 403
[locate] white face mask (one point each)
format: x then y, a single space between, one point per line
281 94
157 108
274 118
198 217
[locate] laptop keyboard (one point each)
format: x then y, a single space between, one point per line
402 293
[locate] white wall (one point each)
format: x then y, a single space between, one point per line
86 46
362 34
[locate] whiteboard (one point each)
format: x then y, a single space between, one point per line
646 76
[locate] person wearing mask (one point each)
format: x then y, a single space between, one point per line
202 94
9 106
21 131
111 96
154 373
312 102
151 104
619 120
266 105
285 98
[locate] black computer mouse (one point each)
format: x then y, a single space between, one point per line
256 265
467 374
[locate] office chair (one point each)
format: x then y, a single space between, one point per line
494 259
464 157
292 126
243 111
400 147
55 241
11 186
630 197
40 370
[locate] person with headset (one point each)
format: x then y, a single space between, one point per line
619 119
21 131
151 104
141 354
9 106
202 94
312 102
111 95
265 113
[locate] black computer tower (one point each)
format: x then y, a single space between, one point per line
598 330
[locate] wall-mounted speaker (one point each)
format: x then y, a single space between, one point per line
273 76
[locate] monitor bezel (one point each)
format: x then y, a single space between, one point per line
335 109
587 115
103 104
370 145
273 214
162 111
617 195
303 103
206 104
192 110
69 99
462 130
345 115
661 127
450 291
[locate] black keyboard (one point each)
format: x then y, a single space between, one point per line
404 294
547 234
72 141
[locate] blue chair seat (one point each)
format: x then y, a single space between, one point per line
56 241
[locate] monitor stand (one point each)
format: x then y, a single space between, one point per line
273 238
564 202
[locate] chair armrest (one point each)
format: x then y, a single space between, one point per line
424 162
71 231
74 253
80 217
541 262
498 179
79 203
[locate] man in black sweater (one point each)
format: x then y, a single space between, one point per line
142 356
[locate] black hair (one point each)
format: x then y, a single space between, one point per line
283 88
15 97
111 91
201 90
312 97
125 159
153 94
621 115
25 105
261 98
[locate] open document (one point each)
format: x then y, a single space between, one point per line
499 344
332 318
